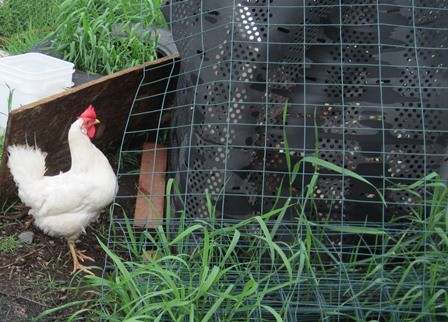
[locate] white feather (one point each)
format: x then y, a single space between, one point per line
65 204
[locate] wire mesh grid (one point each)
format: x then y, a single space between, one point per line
307 145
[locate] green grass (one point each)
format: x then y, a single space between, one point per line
275 267
2 142
48 286
22 42
105 36
2 132
97 36
24 23
17 16
10 244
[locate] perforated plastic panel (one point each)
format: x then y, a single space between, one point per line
370 75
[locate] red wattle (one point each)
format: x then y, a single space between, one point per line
91 131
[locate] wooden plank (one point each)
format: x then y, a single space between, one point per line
46 122
150 205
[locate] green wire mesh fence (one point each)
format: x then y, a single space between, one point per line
307 161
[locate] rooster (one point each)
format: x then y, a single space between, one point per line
65 204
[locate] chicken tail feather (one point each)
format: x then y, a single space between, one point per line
26 163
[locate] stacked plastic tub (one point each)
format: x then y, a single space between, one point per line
29 77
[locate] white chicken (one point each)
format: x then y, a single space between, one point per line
65 204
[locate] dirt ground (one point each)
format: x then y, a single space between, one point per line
36 277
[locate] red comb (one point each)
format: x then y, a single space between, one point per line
89 113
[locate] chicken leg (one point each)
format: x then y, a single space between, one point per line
78 255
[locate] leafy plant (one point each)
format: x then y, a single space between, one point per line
105 36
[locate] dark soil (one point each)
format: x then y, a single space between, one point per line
37 277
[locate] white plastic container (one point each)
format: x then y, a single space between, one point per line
30 77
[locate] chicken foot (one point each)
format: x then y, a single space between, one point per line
28 223
77 256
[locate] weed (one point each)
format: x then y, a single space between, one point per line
98 36
10 97
23 41
267 267
2 132
129 160
2 143
48 286
105 36
10 244
17 16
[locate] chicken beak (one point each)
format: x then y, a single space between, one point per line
96 122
